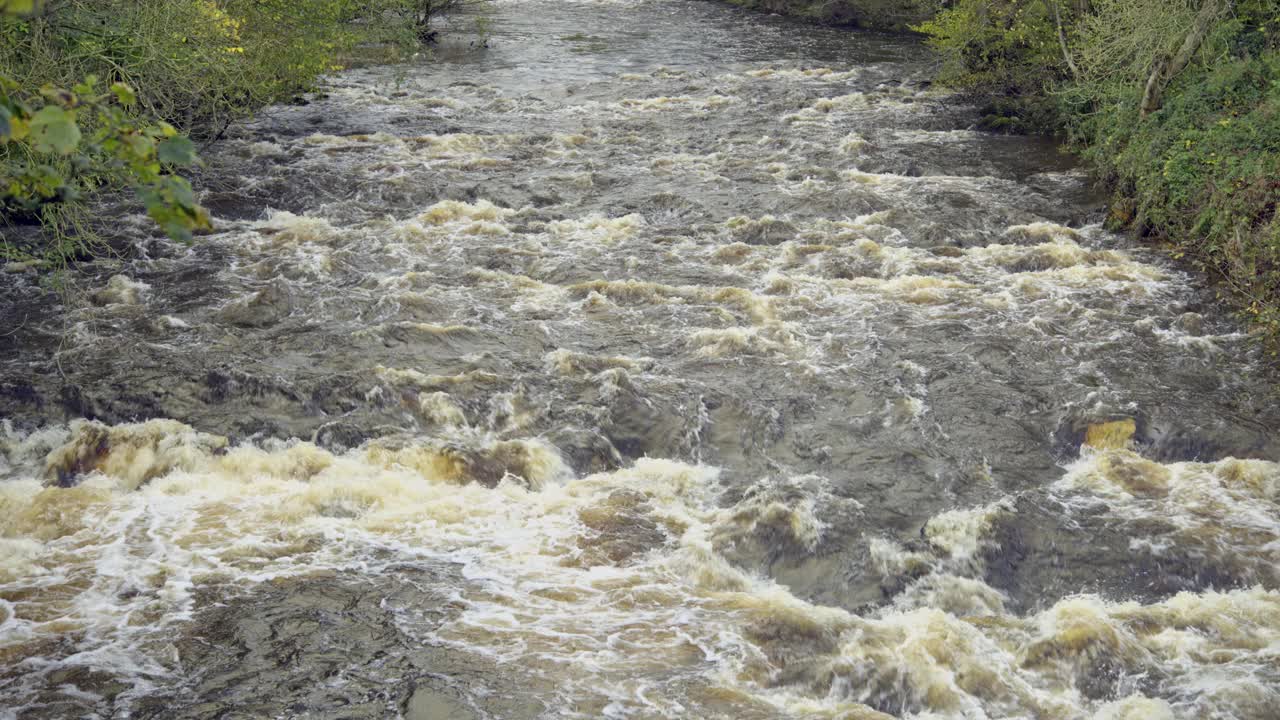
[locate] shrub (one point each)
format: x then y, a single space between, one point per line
194 65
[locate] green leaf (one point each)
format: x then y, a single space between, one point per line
124 94
172 205
86 87
139 147
180 191
177 231
58 96
177 151
14 125
54 130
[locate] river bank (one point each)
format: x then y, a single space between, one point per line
893 15
1197 177
113 100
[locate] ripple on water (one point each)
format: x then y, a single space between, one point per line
710 373
609 586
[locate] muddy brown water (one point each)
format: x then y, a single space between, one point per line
658 361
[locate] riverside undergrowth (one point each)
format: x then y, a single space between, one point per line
107 95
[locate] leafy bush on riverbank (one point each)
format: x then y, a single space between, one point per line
193 65
1175 102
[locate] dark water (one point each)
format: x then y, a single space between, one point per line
659 360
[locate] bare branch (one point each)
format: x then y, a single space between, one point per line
1167 68
1062 39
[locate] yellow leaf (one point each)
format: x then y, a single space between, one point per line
19 129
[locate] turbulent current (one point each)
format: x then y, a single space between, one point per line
657 361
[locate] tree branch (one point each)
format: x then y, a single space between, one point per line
1062 39
1167 68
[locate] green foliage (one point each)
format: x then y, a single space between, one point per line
1203 175
197 65
1116 42
17 7
1005 52
1005 47
48 159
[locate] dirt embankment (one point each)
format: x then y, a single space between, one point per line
877 14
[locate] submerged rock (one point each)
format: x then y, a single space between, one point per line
263 308
133 453
120 290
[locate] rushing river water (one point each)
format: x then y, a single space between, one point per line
659 361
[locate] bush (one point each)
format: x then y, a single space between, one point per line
49 161
194 65
1003 47
1203 175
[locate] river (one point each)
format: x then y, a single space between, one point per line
660 360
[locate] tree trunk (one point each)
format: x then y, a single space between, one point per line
1167 68
1062 38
